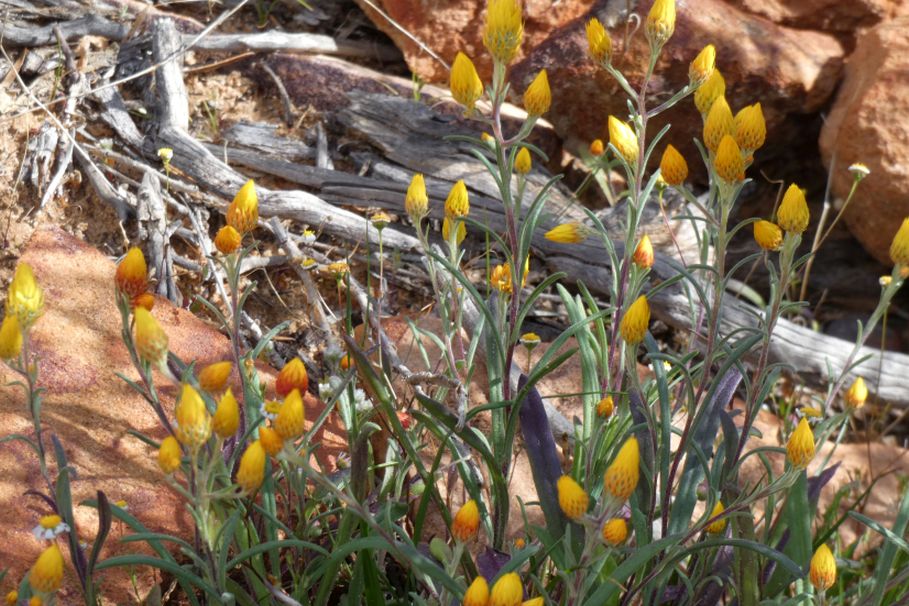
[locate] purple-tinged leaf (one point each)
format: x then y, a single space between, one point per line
490 562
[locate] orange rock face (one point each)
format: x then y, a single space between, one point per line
869 123
91 410
826 15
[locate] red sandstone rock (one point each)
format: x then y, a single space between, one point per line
825 15
869 123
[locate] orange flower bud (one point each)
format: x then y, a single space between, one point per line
227 240
251 473
466 522
292 376
622 475
243 212
573 499
643 253
634 323
673 167
213 377
291 417
132 274
226 420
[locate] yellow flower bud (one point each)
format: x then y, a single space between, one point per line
466 522
750 128
132 274
673 167
193 420
703 65
416 203
252 467
271 440
538 601
622 476
822 570
728 161
35 600
708 92
226 420
615 531
292 376
606 407
634 323
573 499
522 162
660 22
477 594
857 393
768 235
169 455
899 248
599 42
800 448
290 421
793 214
500 278
622 137
718 526
213 377
25 298
446 230
47 572
10 338
719 123
243 212
643 253
150 339
597 148
537 97
465 84
146 300
458 202
228 240
12 597
568 233
507 591
504 30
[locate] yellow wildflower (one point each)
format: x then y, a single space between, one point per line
708 92
634 323
615 531
643 253
596 147
252 467
213 377
537 97
793 214
530 340
150 339
477 594
899 248
25 298
718 124
573 499
132 273
768 235
465 84
702 66
50 527
673 167
416 203
718 526
290 422
446 230
466 522
822 570
292 376
622 137
660 22
800 448
606 407
193 420
47 572
728 162
10 338
857 393
750 128
12 597
568 233
169 455
622 476
271 440
380 220
507 591
522 162
504 30
226 420
243 212
227 240
458 202
599 42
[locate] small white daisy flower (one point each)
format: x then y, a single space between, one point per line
50 527
270 410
